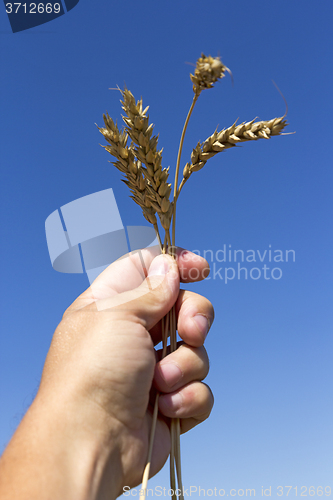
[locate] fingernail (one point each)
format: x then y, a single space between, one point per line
159 266
171 373
202 323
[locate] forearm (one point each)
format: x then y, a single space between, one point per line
62 453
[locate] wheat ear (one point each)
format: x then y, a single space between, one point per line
229 138
131 167
140 131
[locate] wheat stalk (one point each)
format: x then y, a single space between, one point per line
141 163
207 72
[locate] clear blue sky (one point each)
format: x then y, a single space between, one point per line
271 344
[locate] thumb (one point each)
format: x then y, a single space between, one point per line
155 296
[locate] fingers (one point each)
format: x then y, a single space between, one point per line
195 317
182 394
180 367
192 403
191 266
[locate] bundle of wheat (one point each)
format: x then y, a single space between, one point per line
141 164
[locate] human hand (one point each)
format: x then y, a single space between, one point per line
101 366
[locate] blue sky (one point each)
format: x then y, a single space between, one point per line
271 344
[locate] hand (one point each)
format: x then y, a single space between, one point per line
101 366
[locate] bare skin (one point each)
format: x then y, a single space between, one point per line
86 434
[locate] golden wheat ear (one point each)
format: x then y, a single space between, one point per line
208 71
130 166
229 138
140 131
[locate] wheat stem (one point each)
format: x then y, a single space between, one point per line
158 237
150 449
180 187
195 98
165 335
175 429
178 460
172 459
168 238
175 422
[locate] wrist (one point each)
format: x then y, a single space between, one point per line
90 440
62 450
